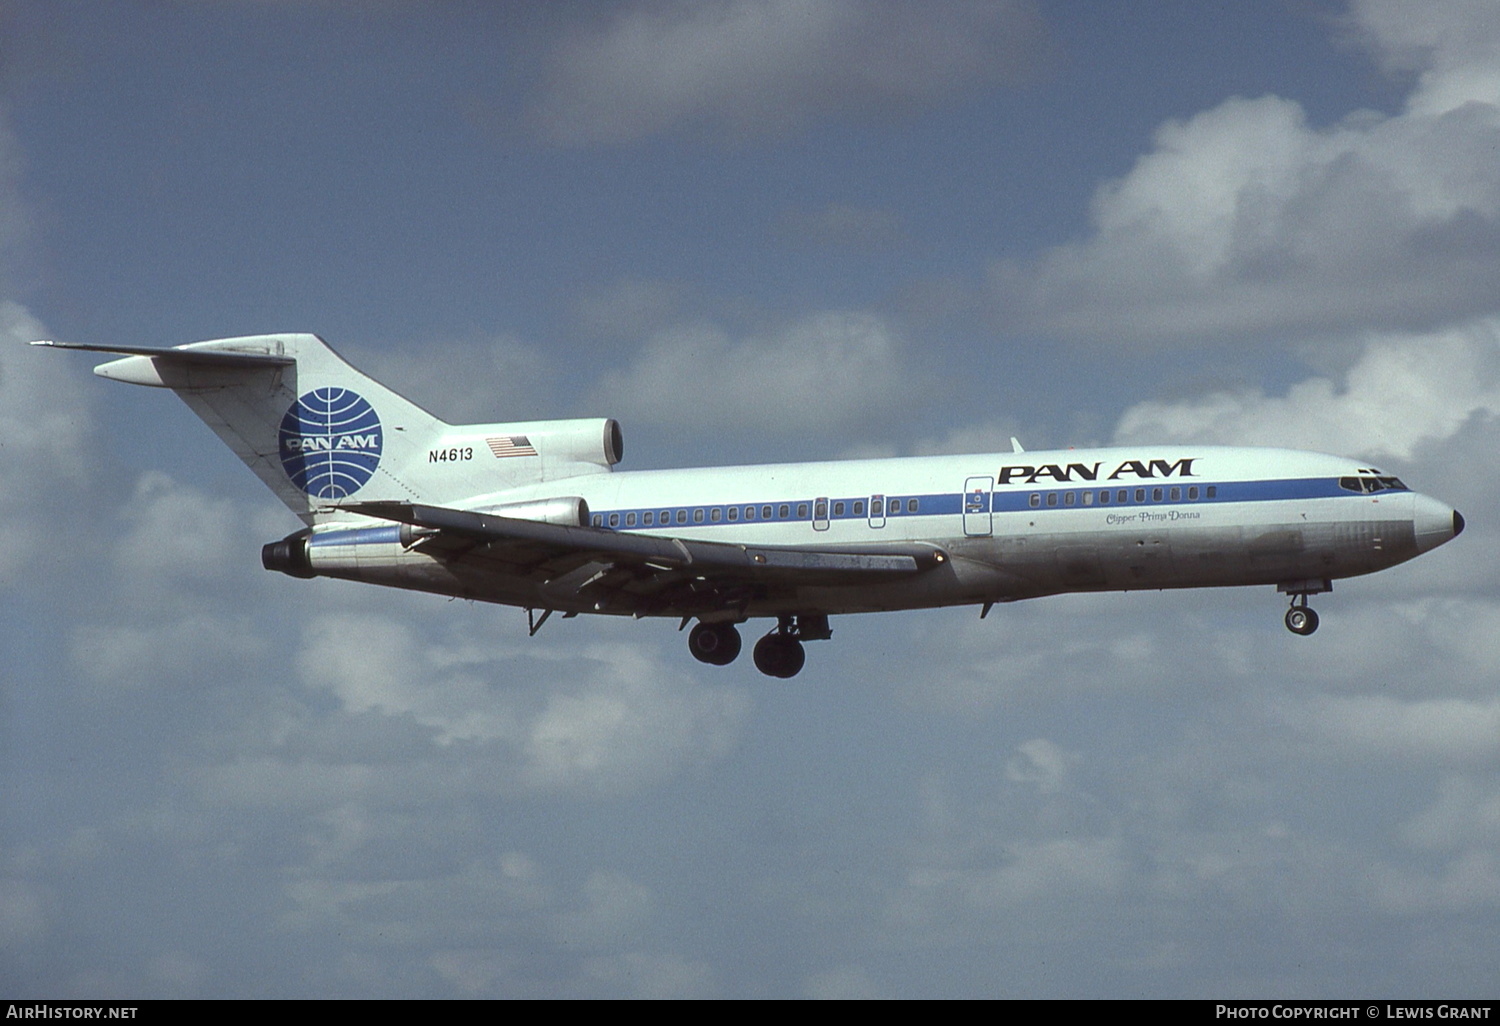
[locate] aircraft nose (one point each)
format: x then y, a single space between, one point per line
1435 522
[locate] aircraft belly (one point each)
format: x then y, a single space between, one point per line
1182 556
961 580
1366 546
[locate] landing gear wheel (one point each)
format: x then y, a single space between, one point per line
1301 620
779 655
715 643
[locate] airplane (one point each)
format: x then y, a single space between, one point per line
534 514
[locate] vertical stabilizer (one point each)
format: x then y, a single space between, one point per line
321 434
309 425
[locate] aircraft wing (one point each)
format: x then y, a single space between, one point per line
645 571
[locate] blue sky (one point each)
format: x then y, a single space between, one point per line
753 231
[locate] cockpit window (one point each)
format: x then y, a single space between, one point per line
1372 483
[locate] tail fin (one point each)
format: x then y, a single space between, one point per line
318 432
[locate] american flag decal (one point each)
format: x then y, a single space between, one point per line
511 445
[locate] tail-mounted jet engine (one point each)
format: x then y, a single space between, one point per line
293 556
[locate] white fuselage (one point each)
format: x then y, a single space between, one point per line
1011 526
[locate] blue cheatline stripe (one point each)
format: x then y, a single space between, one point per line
1228 491
1008 501
935 504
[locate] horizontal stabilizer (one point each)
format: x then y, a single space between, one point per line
181 356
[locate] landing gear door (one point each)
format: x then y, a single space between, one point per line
977 492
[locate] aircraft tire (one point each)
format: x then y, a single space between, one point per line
1301 620
779 655
717 644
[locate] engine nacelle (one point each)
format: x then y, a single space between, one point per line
570 511
598 440
529 451
337 544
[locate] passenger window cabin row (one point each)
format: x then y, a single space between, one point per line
880 506
1122 496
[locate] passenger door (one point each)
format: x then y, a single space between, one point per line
977 491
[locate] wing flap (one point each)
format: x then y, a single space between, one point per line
567 547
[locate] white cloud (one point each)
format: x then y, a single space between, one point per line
841 225
986 437
246 779
15 220
1246 219
46 455
481 898
178 533
628 308
24 912
654 977
372 663
767 65
1466 813
1404 391
635 721
606 718
1434 730
469 382
161 648
843 983
167 607
826 370
608 907
1038 650
1454 45
1464 885
505 925
179 973
991 883
1042 763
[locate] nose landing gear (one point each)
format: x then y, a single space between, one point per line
1300 619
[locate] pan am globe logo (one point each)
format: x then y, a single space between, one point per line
330 442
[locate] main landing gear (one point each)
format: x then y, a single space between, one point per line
1300 619
717 644
778 654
